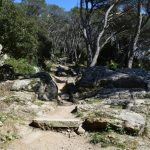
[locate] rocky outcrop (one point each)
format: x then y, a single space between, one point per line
101 76
128 116
118 120
40 83
120 83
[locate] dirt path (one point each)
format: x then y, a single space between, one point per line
61 112
48 140
36 139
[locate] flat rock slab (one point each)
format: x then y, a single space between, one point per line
47 124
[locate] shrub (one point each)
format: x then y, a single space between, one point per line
112 65
20 66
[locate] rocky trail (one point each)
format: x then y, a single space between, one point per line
53 136
36 139
112 112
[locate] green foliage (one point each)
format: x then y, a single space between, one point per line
112 65
37 31
108 128
18 33
20 66
95 138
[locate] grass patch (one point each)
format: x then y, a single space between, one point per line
7 137
105 140
9 131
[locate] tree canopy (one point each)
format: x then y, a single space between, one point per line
95 33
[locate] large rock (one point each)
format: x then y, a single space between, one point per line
132 121
25 84
105 83
103 77
40 83
119 120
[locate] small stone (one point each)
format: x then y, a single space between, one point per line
80 130
68 130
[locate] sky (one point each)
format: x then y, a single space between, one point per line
66 4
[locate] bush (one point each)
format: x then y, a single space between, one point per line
20 66
112 65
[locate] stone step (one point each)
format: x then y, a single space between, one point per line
49 123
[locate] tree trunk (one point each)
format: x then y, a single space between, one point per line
136 36
130 61
98 47
93 50
86 31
